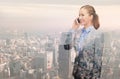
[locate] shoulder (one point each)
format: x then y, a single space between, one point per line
95 36
99 38
96 33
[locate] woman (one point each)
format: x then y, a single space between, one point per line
88 44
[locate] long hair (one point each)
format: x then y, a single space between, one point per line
92 11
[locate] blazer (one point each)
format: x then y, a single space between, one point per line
89 59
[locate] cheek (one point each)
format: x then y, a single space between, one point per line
84 21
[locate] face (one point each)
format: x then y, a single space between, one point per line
85 17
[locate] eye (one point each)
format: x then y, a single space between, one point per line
81 14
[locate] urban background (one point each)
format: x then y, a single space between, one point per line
26 56
33 34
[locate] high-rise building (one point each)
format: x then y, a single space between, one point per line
64 58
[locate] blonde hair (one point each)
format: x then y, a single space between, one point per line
92 11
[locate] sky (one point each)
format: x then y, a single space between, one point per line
73 2
53 15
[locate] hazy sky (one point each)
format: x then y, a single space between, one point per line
47 16
75 2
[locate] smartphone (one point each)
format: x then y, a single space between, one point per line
78 20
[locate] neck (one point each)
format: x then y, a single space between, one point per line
88 25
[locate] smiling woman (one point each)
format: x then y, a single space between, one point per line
88 63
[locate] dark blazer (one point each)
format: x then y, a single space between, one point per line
88 62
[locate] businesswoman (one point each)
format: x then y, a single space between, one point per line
87 44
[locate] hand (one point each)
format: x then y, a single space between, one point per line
76 24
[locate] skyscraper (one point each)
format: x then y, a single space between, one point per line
64 58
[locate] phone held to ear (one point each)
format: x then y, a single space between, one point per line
78 20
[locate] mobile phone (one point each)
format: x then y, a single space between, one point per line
78 20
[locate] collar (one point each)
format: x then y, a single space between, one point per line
87 30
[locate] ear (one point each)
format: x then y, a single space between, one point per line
91 17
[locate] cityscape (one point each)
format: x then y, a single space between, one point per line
34 41
28 57
25 56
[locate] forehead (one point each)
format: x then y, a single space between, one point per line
83 11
